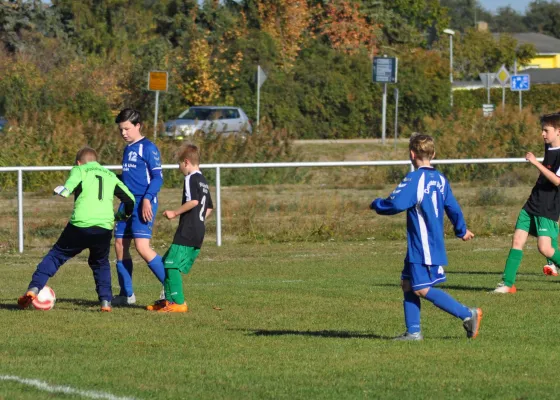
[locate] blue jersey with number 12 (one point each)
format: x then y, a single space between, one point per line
425 194
142 172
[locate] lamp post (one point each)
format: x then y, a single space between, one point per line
451 33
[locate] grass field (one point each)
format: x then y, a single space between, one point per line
290 320
300 302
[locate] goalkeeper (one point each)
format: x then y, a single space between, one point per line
90 226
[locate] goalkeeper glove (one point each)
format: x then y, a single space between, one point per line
121 216
61 191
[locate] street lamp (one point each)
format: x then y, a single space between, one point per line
451 33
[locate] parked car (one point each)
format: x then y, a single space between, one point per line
222 120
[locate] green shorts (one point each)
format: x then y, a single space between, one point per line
180 257
536 226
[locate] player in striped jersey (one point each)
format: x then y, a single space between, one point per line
142 174
425 194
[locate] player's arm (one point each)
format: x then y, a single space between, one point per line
548 174
153 161
402 198
187 206
74 179
455 214
210 206
126 198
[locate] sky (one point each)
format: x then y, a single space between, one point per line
493 5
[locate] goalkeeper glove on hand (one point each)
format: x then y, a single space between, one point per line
61 191
121 216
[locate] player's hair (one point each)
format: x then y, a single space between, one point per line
551 120
189 152
129 114
86 154
422 145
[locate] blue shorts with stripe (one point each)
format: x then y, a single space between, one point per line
135 226
422 276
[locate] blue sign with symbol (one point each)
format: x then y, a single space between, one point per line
520 82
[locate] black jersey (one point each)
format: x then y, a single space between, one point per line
191 224
544 200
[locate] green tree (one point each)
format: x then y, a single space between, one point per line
508 20
544 17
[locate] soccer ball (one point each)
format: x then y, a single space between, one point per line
45 299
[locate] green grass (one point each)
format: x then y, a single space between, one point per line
290 321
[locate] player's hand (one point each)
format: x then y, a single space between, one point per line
169 214
121 216
61 191
147 213
468 236
530 157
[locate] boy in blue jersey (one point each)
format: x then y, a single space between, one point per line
425 194
541 211
142 174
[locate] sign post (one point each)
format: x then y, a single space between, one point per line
503 77
385 71
261 77
520 83
157 81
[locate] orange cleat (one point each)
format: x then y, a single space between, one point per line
158 305
503 288
550 269
26 300
174 307
106 306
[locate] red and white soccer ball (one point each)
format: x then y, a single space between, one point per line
45 299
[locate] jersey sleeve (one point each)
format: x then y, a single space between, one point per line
153 162
74 179
402 198
454 212
125 196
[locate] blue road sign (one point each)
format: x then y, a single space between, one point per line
520 82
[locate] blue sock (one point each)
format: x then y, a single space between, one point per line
447 303
411 305
124 273
157 267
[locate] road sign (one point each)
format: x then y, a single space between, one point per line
157 81
488 110
487 79
520 82
503 75
385 69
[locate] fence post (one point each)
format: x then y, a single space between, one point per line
20 209
218 209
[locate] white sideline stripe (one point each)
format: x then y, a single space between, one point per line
90 394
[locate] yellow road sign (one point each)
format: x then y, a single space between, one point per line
157 80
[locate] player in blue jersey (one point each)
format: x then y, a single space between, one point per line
142 174
425 194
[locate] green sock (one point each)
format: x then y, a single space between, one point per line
176 285
166 286
556 257
512 265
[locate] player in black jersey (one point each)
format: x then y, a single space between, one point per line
196 207
539 215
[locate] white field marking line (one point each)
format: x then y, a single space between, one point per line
90 394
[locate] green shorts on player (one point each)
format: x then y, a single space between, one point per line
537 226
178 259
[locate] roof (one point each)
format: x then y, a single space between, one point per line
544 44
537 76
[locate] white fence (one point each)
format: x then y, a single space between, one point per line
219 167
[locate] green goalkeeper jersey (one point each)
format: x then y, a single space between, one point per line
94 187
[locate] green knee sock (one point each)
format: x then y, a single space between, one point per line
166 286
556 257
512 265
175 286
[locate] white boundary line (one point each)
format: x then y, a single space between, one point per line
90 394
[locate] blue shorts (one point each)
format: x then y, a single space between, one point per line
422 276
135 226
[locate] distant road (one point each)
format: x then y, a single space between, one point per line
347 141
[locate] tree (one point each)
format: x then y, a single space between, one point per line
465 14
544 17
508 20
477 52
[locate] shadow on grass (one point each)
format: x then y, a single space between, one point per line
13 306
93 303
490 273
326 334
443 286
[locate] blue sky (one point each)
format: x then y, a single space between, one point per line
493 5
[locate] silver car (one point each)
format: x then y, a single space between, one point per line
222 120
